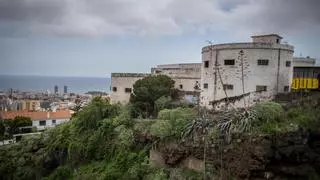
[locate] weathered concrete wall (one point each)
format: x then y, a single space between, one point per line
276 75
247 99
186 76
267 39
187 84
120 81
191 70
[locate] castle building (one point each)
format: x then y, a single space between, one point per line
259 70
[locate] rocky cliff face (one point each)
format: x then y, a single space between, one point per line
293 155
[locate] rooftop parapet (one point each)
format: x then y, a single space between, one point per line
248 46
130 74
305 59
179 66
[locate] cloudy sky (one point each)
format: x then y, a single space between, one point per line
97 37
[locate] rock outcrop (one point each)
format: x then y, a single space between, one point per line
292 155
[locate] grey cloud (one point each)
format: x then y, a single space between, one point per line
32 10
279 15
143 17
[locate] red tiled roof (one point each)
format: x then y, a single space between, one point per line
65 114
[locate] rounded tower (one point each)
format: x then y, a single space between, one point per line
255 71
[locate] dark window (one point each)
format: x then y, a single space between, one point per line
206 64
114 89
278 41
181 86
286 89
53 121
261 88
288 63
42 123
228 87
263 62
157 71
127 90
205 85
229 62
196 86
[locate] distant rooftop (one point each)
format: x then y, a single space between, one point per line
266 35
304 59
36 115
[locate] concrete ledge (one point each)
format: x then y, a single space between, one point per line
230 46
130 74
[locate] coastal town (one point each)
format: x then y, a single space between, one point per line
270 69
219 105
159 90
45 109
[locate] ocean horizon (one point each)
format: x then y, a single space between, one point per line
47 83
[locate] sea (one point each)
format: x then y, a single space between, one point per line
79 85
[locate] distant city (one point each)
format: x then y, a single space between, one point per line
47 101
43 84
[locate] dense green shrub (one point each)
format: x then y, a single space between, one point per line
157 174
61 173
172 122
161 129
308 118
164 102
24 160
269 111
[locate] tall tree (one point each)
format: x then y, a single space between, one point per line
147 90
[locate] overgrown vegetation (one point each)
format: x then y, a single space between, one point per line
99 142
172 122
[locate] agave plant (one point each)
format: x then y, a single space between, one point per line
198 126
236 122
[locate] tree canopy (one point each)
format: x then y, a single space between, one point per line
147 90
13 126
